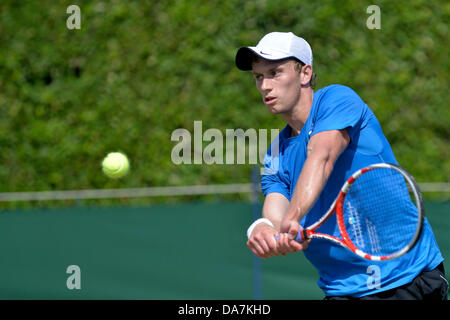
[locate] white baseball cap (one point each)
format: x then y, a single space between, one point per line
275 46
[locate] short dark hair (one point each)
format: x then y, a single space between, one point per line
298 67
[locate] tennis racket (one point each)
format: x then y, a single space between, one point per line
379 213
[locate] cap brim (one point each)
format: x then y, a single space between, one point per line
244 56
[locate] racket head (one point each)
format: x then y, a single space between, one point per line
380 212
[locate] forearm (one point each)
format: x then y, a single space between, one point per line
275 208
315 173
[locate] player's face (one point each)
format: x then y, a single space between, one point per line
279 84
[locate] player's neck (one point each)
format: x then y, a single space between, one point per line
300 113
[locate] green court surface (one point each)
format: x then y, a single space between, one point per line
184 251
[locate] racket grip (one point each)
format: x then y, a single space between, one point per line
298 238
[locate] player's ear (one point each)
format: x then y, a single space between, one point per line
306 74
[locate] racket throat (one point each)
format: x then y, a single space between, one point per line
306 234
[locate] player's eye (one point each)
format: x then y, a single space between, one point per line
275 73
258 77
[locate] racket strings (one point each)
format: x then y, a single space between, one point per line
380 216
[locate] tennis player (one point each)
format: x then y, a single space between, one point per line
330 133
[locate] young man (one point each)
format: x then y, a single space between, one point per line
330 134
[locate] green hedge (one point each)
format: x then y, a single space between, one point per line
137 70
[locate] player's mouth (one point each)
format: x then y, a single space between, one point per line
268 100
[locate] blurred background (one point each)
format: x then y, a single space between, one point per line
138 70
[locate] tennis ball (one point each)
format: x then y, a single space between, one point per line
115 165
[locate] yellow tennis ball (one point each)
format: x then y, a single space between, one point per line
115 165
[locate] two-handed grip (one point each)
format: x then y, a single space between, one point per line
298 238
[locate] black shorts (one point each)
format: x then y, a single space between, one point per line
429 285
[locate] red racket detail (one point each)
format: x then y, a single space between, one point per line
379 213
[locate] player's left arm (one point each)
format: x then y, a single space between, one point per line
324 149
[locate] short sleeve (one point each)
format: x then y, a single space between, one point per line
339 108
271 181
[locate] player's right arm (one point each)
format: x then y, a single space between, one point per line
262 239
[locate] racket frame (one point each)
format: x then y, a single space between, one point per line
337 207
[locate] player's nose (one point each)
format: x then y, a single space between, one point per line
266 84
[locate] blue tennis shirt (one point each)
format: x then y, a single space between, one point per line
342 272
